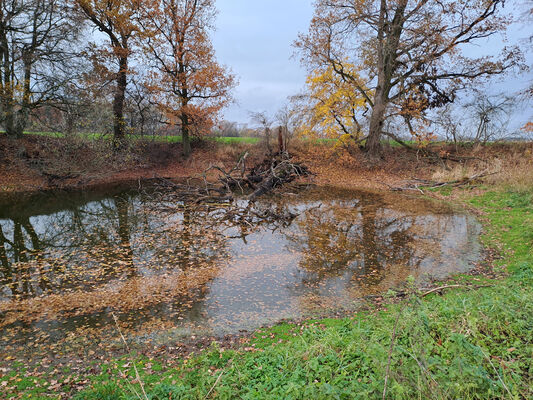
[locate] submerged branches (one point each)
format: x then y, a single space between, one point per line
231 200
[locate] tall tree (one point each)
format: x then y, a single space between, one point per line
37 38
409 52
187 82
116 20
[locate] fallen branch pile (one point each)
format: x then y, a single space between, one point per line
271 173
230 201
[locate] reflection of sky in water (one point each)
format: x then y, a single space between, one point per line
180 272
265 273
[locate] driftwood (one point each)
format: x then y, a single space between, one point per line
418 184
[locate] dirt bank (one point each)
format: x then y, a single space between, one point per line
37 163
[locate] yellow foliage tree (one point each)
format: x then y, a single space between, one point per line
406 45
334 107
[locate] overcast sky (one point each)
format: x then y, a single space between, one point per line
254 38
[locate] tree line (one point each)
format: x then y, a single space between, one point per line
67 56
375 67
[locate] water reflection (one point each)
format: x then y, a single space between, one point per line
356 238
65 267
116 238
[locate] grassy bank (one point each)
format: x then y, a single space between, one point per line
470 342
159 139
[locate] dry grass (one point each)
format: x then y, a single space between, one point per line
508 166
41 162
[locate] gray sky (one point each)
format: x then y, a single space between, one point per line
254 38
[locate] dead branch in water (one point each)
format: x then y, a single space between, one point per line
423 292
418 184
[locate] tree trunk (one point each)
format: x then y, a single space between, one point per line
373 143
10 126
119 124
185 137
8 101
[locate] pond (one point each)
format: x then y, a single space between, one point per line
70 261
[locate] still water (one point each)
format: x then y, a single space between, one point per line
69 261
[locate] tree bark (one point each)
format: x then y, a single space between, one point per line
23 114
388 40
8 101
185 135
373 143
119 124
10 127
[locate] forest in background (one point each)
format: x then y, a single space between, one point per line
398 71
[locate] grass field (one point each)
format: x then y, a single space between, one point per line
162 139
172 139
223 140
470 343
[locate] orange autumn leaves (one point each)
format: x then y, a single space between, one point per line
185 80
166 43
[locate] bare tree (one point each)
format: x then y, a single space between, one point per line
490 116
143 114
481 119
264 121
37 45
228 129
286 118
446 121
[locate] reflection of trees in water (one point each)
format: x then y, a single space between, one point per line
244 218
358 239
24 246
88 245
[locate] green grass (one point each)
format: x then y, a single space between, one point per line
161 139
466 344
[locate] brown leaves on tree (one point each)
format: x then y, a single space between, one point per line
186 82
403 48
115 19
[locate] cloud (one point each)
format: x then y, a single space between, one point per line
255 40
